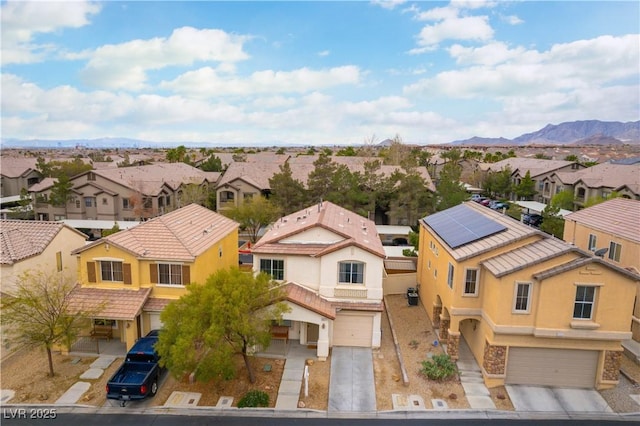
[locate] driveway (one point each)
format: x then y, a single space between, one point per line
351 386
568 400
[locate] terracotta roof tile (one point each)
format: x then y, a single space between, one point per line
606 175
309 300
619 216
20 239
122 304
351 229
156 304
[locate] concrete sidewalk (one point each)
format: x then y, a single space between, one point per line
352 386
291 382
559 400
471 379
75 392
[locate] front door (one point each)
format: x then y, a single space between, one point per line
313 331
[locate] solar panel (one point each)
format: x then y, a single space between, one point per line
462 225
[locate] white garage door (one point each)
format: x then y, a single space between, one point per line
154 321
552 367
352 329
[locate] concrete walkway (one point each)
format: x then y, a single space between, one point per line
547 399
75 392
291 382
352 386
471 378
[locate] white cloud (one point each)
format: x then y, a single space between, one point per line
512 20
475 28
324 53
489 54
125 65
388 4
21 21
206 82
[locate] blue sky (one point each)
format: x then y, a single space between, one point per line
314 73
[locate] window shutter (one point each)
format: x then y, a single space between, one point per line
91 272
186 275
126 273
153 273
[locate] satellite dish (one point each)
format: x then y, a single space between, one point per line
601 252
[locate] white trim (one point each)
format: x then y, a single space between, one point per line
515 298
464 288
107 259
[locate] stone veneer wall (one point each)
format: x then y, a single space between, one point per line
444 329
495 357
453 346
437 311
612 360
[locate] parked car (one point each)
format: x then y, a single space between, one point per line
138 376
498 205
532 219
476 197
486 202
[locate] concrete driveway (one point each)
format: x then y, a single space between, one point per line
568 400
351 386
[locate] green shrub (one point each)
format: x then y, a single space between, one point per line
439 368
254 398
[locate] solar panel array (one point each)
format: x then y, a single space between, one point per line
462 225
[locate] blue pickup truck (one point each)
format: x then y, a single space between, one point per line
137 377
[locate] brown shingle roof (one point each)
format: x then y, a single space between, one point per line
108 303
619 216
351 227
606 175
20 239
180 235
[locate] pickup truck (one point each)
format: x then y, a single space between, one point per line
137 377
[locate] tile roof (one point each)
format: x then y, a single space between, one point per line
606 175
156 304
536 166
257 174
13 167
20 239
582 261
114 304
618 216
309 300
526 256
45 183
150 179
180 235
352 229
515 231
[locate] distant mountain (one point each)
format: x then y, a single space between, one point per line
80 143
589 132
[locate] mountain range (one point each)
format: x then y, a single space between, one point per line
588 132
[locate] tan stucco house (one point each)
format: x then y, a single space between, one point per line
133 274
331 262
533 309
613 227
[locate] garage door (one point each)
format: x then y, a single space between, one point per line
552 367
352 329
154 321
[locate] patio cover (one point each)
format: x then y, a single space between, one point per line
113 304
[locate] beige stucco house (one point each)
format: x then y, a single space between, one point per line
331 261
16 174
613 227
130 276
533 309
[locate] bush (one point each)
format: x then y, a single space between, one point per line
439 368
254 398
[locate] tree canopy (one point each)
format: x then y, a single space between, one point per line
231 313
253 214
526 189
38 312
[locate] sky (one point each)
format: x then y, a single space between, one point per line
283 73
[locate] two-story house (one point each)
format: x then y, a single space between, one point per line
127 193
612 229
331 261
533 309
130 276
16 174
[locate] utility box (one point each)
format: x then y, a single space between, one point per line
412 299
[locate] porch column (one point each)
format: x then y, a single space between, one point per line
437 311
453 344
444 328
131 332
377 331
322 351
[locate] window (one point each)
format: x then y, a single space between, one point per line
147 203
111 271
273 267
450 276
91 176
105 202
88 201
351 273
592 242
583 307
540 186
77 204
126 204
169 274
429 264
522 297
471 282
160 202
59 261
614 251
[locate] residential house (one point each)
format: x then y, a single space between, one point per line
34 245
331 262
128 193
540 171
611 229
29 246
598 181
533 309
130 276
16 174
